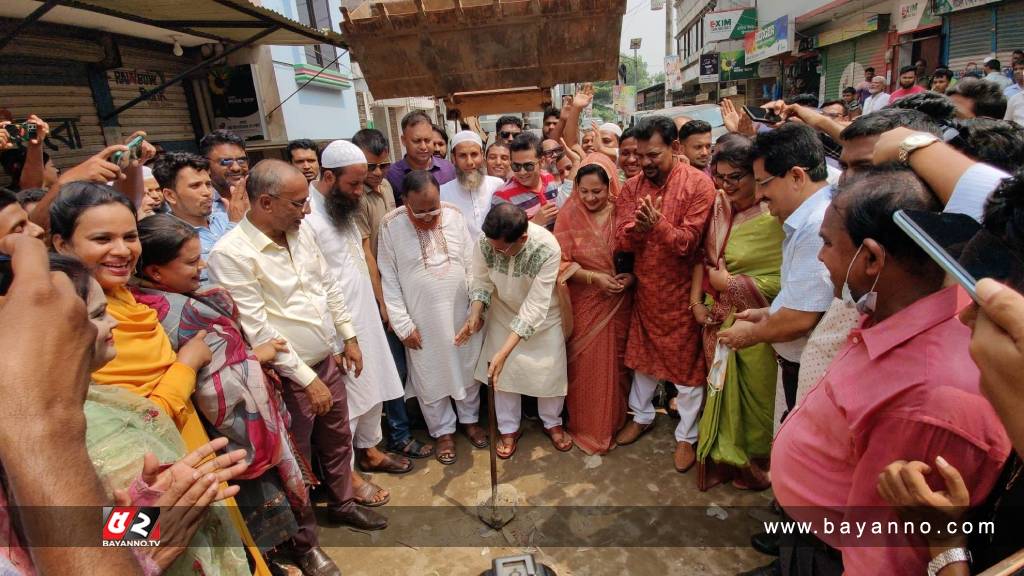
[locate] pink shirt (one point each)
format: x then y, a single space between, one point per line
904 92
904 389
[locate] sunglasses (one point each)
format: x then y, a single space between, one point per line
526 166
241 160
426 215
509 135
382 165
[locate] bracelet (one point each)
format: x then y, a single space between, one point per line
692 304
590 277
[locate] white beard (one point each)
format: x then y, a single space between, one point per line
473 179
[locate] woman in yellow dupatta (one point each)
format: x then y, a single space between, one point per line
97 224
743 258
601 306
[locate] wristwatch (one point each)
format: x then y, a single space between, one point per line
946 558
912 143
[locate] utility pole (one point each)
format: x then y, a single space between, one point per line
669 29
634 44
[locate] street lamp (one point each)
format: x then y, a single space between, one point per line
634 45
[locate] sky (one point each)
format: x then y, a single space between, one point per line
641 22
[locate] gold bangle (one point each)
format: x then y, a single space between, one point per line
590 277
692 304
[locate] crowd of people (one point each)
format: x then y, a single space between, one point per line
182 320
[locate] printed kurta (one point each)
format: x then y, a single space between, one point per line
425 276
664 338
342 247
519 293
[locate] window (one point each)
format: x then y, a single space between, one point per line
317 14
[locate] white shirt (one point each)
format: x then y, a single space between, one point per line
805 282
474 205
973 189
283 293
1015 108
875 102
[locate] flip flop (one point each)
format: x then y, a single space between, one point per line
503 441
389 466
445 449
478 440
365 495
566 443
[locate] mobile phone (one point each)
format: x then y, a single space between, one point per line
961 247
22 132
762 115
6 274
123 159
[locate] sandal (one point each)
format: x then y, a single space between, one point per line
445 449
365 495
477 436
389 465
504 444
413 448
564 442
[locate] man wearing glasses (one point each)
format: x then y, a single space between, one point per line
418 140
229 166
509 127
530 188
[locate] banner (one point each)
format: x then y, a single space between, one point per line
235 106
673 73
858 26
914 15
947 6
769 40
729 24
708 68
624 100
732 66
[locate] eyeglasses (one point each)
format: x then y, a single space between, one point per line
526 166
508 135
555 151
426 215
765 181
382 165
241 160
300 204
733 178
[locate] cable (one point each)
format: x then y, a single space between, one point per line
297 90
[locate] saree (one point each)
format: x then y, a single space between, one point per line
121 428
736 426
598 378
241 402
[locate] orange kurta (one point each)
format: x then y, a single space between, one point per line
664 338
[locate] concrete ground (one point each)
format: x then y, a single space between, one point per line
628 512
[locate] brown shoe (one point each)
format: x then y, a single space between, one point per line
317 563
684 457
632 432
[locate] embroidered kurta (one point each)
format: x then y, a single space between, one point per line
519 293
664 338
425 276
343 248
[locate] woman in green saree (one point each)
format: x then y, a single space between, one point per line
741 270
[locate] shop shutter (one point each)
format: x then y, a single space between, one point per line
1009 30
837 58
970 38
166 117
870 51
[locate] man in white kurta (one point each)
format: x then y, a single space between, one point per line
472 188
332 208
515 267
425 267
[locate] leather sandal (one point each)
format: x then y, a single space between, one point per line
477 435
389 465
444 449
563 442
367 493
503 440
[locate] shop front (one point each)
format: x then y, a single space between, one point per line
850 46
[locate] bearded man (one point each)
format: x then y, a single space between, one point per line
332 218
472 188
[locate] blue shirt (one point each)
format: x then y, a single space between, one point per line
1012 90
806 286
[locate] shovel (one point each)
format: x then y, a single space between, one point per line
488 512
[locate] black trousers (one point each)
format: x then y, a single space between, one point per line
790 378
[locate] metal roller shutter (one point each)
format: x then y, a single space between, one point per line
970 38
1009 30
166 117
867 51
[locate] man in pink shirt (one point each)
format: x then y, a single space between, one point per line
903 387
908 84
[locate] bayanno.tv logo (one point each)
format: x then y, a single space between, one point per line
131 526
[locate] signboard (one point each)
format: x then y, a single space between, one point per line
139 81
729 24
673 73
947 6
914 15
769 69
624 100
634 43
733 66
235 106
862 24
708 68
769 40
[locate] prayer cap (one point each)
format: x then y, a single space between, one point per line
609 127
341 153
466 136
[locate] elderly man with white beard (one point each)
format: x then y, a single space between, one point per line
472 188
425 257
332 217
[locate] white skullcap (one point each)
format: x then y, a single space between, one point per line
879 79
147 173
341 153
609 127
466 136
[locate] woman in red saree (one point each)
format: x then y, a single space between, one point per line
601 306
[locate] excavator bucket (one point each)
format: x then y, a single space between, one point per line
509 49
